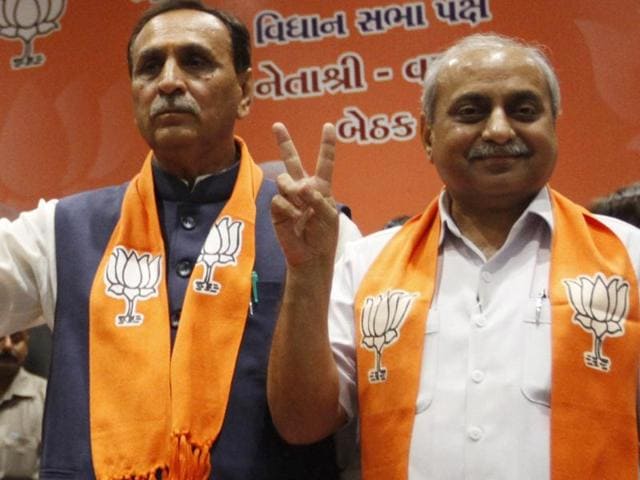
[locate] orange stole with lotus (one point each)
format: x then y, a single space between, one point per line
153 409
594 383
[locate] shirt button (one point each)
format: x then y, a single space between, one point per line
188 222
479 320
184 268
175 318
486 276
477 376
475 433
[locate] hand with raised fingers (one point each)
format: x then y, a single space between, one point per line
304 213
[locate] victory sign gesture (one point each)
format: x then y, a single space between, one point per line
304 213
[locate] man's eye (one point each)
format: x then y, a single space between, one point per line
196 62
468 113
526 112
148 67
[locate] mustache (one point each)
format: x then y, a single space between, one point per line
514 148
179 104
7 357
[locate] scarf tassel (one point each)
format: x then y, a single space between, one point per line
146 476
188 461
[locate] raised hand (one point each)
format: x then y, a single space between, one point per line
304 213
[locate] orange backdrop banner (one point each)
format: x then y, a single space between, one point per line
66 122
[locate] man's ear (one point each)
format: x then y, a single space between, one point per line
245 79
425 134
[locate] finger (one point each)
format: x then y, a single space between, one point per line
301 222
326 156
288 153
323 209
282 210
290 189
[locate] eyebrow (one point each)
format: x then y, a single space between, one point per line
518 95
526 95
158 51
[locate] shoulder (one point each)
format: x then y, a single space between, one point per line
90 208
359 254
109 193
32 384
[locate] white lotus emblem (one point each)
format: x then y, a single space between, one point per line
222 247
27 19
381 319
132 276
600 306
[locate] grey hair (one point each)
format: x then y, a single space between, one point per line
481 41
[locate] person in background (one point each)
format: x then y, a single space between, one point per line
163 291
22 396
494 336
624 204
397 221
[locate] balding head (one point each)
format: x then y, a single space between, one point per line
489 43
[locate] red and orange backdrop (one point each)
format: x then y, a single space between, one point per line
66 123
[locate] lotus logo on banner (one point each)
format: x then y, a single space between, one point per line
132 276
381 319
600 306
25 20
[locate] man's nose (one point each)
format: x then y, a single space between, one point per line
5 343
171 78
498 129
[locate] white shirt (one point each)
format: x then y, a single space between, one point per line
21 409
482 410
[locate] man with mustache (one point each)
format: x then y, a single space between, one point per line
163 292
22 397
496 335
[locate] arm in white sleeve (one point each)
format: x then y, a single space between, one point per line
28 269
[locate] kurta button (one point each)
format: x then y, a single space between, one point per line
486 276
475 433
184 268
188 222
175 318
477 376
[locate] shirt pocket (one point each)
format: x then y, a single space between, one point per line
429 367
19 456
536 359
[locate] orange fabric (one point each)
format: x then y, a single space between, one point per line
593 421
387 408
593 414
150 408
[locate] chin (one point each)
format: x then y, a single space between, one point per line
173 138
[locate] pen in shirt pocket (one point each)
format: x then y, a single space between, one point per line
541 297
254 291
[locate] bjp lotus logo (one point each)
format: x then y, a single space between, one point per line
25 20
132 276
221 248
381 319
600 306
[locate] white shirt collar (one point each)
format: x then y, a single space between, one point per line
540 207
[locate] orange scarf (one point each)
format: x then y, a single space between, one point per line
593 295
150 408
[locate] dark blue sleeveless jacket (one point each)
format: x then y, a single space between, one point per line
248 447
